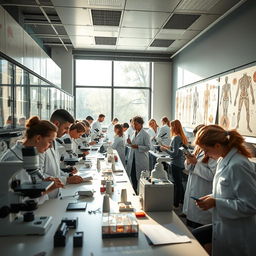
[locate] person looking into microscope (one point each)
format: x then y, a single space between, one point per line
39 134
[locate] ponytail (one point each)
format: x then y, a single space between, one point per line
35 126
213 134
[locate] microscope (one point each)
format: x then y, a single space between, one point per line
16 210
72 158
159 143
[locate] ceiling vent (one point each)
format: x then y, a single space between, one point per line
106 18
161 43
181 21
99 40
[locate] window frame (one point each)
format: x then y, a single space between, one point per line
112 87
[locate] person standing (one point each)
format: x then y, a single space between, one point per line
233 198
163 135
177 159
110 130
152 131
118 142
139 145
96 126
201 172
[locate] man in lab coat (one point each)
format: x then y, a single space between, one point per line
51 160
139 145
110 131
96 126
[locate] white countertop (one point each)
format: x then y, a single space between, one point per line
90 224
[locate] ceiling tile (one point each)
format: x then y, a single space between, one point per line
144 19
61 30
106 17
222 6
196 6
82 41
106 4
157 49
74 16
161 43
181 21
170 33
133 41
100 40
152 5
203 22
42 29
73 30
138 32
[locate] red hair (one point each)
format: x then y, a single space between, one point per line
213 134
178 130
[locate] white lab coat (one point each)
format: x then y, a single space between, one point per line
110 132
96 125
234 217
15 154
152 134
129 132
51 166
74 144
141 153
199 184
119 145
163 135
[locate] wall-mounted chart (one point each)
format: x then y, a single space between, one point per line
237 101
192 109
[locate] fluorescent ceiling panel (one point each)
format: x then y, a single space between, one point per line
106 18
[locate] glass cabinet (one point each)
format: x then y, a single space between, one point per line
45 106
7 119
35 105
21 96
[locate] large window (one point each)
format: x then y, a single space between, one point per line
115 88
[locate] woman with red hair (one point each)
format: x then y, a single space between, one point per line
177 163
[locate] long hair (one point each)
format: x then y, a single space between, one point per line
151 121
213 134
176 129
35 126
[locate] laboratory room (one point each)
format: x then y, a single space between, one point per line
127 127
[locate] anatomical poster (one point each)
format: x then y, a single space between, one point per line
197 104
237 108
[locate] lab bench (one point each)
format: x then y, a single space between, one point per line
89 222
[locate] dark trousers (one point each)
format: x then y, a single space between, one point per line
134 176
193 224
178 187
203 234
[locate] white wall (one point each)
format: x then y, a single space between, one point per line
65 61
161 90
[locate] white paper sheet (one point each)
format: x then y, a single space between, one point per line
160 235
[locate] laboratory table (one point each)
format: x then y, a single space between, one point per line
90 224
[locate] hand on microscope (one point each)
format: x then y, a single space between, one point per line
86 153
92 143
75 179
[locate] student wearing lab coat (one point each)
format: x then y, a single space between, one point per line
110 130
119 143
51 160
39 134
201 172
177 159
96 126
233 199
152 131
163 135
139 145
76 130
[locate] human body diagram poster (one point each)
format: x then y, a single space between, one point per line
237 109
232 95
197 104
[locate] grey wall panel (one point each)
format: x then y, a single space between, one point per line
229 44
2 30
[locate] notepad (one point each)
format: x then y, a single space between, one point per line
159 235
